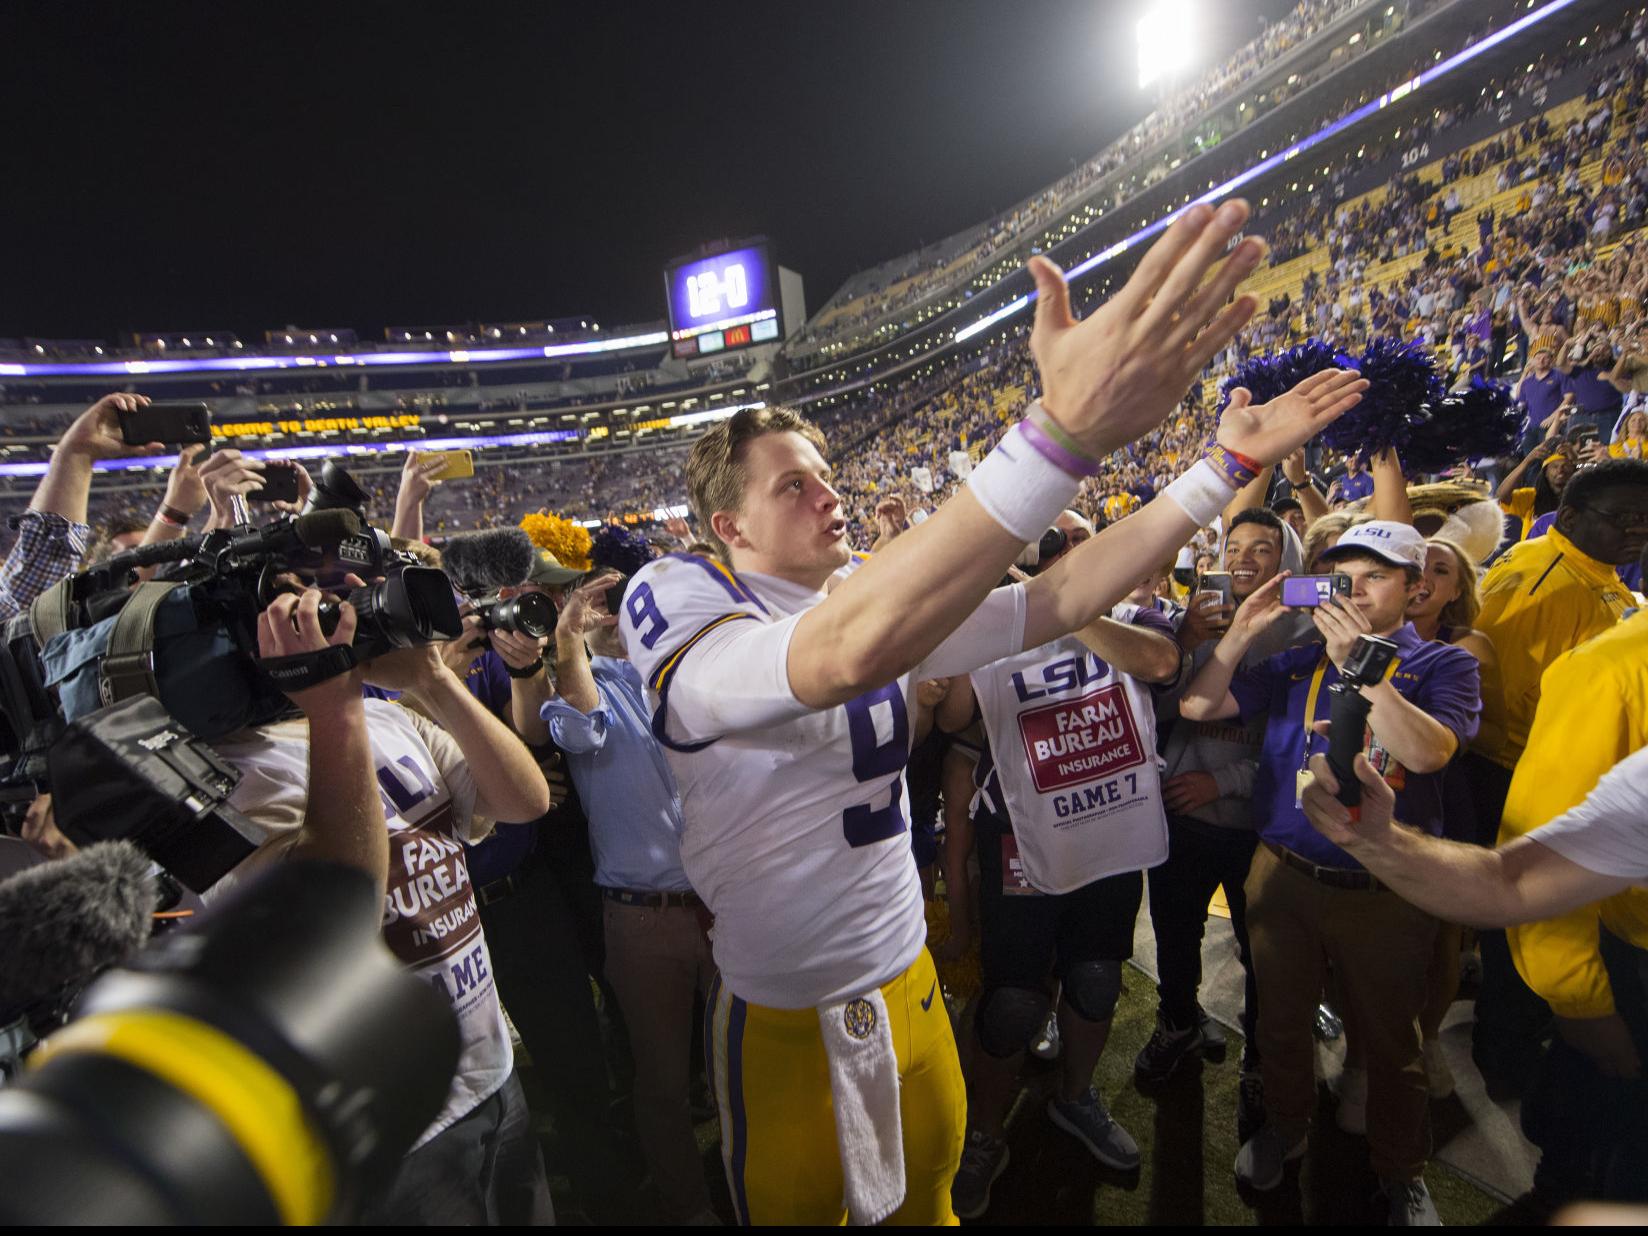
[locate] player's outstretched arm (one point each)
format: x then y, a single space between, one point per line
1085 583
1105 380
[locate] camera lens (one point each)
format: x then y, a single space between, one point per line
1052 544
531 613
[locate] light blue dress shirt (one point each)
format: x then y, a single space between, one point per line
627 789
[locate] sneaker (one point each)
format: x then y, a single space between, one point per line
1328 1026
1214 1045
983 1160
1250 1104
1263 1159
1088 1120
1410 1204
1048 1044
1166 1050
1352 1112
1437 1074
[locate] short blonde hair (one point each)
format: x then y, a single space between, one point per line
1461 613
716 475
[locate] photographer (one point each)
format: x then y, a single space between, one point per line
1308 902
657 954
376 786
52 534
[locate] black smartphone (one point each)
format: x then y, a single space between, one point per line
1217 582
1309 591
175 424
615 596
280 482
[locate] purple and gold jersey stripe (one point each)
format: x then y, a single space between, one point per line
661 678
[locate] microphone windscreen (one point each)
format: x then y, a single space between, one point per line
483 562
62 921
319 529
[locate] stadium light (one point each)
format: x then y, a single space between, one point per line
1164 40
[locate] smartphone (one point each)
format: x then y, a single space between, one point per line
171 423
459 464
1217 582
615 596
280 482
1309 591
1581 434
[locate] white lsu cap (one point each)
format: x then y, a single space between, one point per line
1399 544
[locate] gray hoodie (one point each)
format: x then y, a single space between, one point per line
1229 749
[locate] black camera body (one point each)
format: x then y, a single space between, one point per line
1369 661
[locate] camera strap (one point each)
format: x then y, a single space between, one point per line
309 669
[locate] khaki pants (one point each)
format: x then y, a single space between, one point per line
656 961
1380 947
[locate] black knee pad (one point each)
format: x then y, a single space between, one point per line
1008 1018
1092 988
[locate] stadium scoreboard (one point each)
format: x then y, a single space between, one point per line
723 302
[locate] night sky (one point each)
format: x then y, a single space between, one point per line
184 166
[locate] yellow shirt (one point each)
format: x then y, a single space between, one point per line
1593 712
1541 599
1521 505
1629 448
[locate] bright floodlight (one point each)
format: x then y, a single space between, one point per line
1164 40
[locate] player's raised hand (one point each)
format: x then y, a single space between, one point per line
1121 371
1270 432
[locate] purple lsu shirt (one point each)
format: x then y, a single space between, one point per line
1438 678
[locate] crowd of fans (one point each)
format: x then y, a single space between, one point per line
1513 695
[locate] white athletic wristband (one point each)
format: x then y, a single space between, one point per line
1020 488
1201 493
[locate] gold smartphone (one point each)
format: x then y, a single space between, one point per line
459 464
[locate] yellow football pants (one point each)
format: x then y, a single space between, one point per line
772 1085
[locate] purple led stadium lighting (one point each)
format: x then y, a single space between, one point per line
1276 160
460 356
141 462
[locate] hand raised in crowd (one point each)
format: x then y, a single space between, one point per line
1207 617
1188 791
1293 467
1269 432
679 529
1262 608
95 433
1341 623
460 654
290 626
1119 372
418 479
891 516
585 609
409 670
185 491
227 475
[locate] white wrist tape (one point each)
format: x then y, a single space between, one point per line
1201 493
1020 489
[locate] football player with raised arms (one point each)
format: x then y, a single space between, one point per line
786 714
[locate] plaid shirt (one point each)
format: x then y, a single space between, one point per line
48 547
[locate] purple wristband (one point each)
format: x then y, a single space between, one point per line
1231 468
1065 461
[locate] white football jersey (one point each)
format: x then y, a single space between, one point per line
1074 750
796 832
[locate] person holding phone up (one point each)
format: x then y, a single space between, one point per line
1308 901
1208 786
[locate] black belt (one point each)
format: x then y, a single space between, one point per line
650 899
1333 877
496 891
